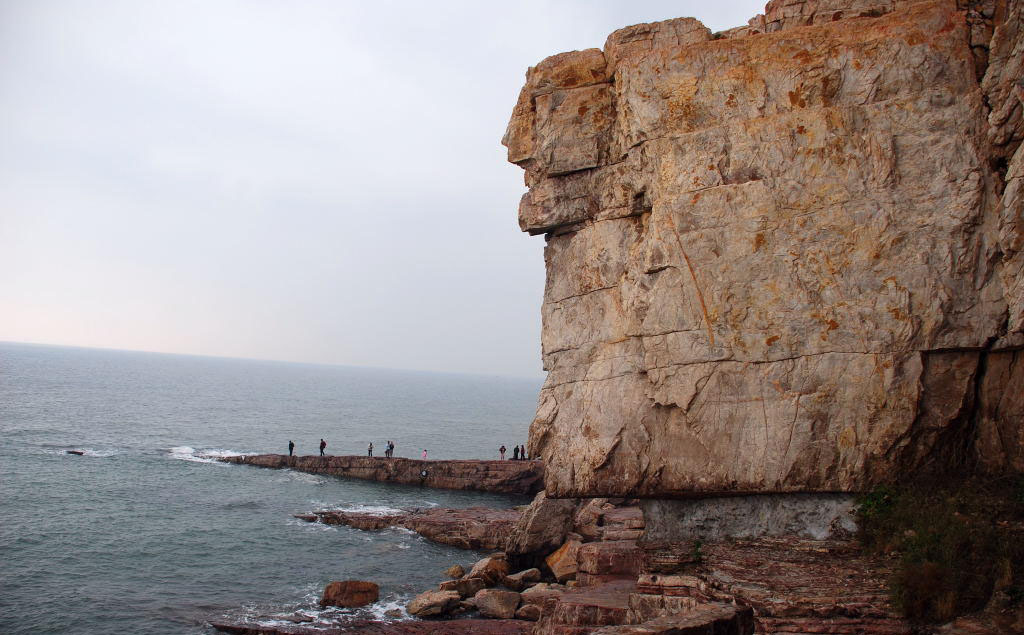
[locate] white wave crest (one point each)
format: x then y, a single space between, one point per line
84 451
188 453
371 510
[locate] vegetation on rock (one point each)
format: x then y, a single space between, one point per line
960 544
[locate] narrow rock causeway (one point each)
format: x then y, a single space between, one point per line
504 477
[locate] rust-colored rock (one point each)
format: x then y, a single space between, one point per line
562 563
497 603
368 627
350 593
540 593
506 477
519 581
781 259
530 612
601 562
703 619
434 603
465 587
491 569
455 571
587 608
792 585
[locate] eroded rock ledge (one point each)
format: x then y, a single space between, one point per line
788 257
468 528
505 477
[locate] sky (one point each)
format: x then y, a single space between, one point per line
312 181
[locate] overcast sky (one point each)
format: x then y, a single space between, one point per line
303 180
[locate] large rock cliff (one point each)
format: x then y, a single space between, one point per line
788 257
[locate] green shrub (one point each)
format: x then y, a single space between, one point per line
953 541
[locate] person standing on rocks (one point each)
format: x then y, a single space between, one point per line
501 451
369 449
515 453
291 447
522 452
323 444
424 454
391 449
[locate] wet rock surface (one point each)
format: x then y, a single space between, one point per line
433 627
506 477
350 593
470 528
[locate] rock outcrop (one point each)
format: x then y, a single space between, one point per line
468 528
788 257
350 593
505 477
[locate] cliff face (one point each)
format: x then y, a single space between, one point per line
784 258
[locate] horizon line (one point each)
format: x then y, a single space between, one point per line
273 361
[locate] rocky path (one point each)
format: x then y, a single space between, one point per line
502 477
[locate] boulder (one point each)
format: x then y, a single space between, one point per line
542 527
601 562
539 593
530 612
497 603
491 569
433 603
455 571
519 581
562 562
466 587
350 593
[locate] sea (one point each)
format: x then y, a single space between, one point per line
146 532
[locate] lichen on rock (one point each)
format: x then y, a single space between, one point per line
784 258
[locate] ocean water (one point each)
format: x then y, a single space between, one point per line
147 533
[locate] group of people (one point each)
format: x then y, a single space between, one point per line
518 452
291 447
389 449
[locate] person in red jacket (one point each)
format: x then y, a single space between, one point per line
323 444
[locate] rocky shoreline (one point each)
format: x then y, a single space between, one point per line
479 528
573 566
502 477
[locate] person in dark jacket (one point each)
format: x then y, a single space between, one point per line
323 444
515 453
369 449
291 447
501 451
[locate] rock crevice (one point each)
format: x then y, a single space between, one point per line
779 258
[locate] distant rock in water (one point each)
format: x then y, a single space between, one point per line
75 452
787 257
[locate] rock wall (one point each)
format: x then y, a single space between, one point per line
788 257
506 477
